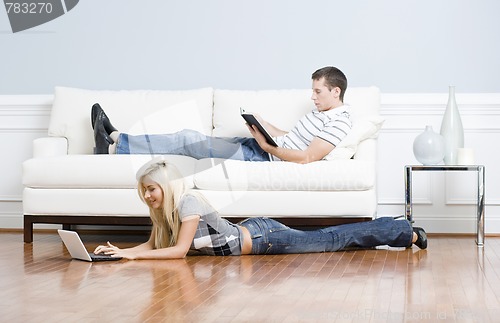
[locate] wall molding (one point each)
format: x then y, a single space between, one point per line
433 100
388 101
11 198
26 100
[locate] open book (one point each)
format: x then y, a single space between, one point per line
252 120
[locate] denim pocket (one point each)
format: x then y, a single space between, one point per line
273 226
277 229
252 227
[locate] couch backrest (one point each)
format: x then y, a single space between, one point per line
283 108
138 111
208 111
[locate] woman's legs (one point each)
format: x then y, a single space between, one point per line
369 234
271 237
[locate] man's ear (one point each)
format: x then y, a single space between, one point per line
335 92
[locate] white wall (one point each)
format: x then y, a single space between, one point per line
411 46
22 119
441 203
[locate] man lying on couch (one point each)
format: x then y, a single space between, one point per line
312 138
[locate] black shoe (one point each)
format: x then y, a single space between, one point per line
101 137
96 109
93 113
422 237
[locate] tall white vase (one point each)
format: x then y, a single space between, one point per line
452 129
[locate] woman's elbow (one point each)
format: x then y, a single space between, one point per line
181 253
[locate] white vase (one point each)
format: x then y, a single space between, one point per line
452 129
429 147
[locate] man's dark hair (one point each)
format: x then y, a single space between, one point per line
333 78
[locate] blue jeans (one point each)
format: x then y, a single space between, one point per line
192 143
272 237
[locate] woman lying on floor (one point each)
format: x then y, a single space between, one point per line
183 220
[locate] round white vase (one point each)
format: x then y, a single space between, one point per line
452 129
429 147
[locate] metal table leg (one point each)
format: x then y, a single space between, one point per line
480 206
408 200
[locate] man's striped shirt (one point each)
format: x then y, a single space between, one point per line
331 126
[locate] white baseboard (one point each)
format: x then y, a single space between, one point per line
14 221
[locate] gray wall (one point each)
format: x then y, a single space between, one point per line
400 46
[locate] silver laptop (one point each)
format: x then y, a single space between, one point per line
77 250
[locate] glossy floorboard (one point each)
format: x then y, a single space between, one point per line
451 281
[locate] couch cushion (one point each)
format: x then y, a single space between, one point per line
139 111
94 171
83 201
338 175
362 129
302 204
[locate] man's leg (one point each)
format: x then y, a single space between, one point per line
190 143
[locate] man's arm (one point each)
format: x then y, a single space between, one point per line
271 129
317 150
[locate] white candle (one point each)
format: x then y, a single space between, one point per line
465 156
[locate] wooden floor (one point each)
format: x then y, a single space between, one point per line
452 281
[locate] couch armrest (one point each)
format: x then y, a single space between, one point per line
50 146
367 150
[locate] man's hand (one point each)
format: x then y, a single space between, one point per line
318 149
259 137
270 128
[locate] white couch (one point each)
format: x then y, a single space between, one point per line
66 184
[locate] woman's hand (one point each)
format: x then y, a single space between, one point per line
114 251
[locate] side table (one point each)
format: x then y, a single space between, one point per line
409 169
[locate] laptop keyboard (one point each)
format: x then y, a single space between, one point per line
101 257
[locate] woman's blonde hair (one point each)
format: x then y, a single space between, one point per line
166 221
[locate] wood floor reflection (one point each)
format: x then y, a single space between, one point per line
452 281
